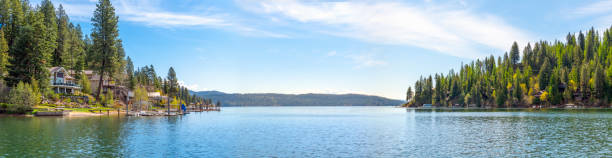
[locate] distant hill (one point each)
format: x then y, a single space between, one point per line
273 99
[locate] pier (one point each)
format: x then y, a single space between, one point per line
175 112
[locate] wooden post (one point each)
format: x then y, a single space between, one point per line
168 104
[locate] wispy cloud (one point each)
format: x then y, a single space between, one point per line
332 53
193 87
360 60
600 11
600 7
366 60
151 13
454 31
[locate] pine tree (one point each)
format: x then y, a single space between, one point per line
75 49
544 75
85 84
105 38
62 56
4 56
130 73
514 54
15 22
32 52
50 22
172 82
409 94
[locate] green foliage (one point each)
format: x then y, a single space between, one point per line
85 85
22 98
141 94
130 72
409 94
172 82
105 36
31 53
4 48
49 94
107 99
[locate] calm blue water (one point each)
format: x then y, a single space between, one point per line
314 132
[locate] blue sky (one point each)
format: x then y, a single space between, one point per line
374 47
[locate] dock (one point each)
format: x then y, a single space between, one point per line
173 111
202 108
52 113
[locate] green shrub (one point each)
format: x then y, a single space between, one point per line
50 94
107 99
85 85
23 98
4 107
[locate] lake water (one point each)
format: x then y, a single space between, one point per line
314 132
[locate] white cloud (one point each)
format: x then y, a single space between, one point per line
193 87
360 60
456 32
332 53
79 10
604 6
366 60
150 13
600 11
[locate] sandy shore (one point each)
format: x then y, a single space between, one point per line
83 114
87 114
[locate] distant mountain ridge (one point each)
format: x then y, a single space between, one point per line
311 99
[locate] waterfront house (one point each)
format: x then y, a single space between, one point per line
156 97
120 93
62 81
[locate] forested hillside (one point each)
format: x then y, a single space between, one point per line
577 70
271 99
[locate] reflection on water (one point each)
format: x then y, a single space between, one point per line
58 137
315 132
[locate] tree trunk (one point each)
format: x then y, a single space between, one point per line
101 81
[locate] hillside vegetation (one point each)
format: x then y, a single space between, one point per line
271 99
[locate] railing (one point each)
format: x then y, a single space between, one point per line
66 84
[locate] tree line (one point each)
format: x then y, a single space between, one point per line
575 71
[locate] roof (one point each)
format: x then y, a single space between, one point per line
92 73
57 69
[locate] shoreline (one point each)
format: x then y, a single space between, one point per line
70 114
515 108
551 109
